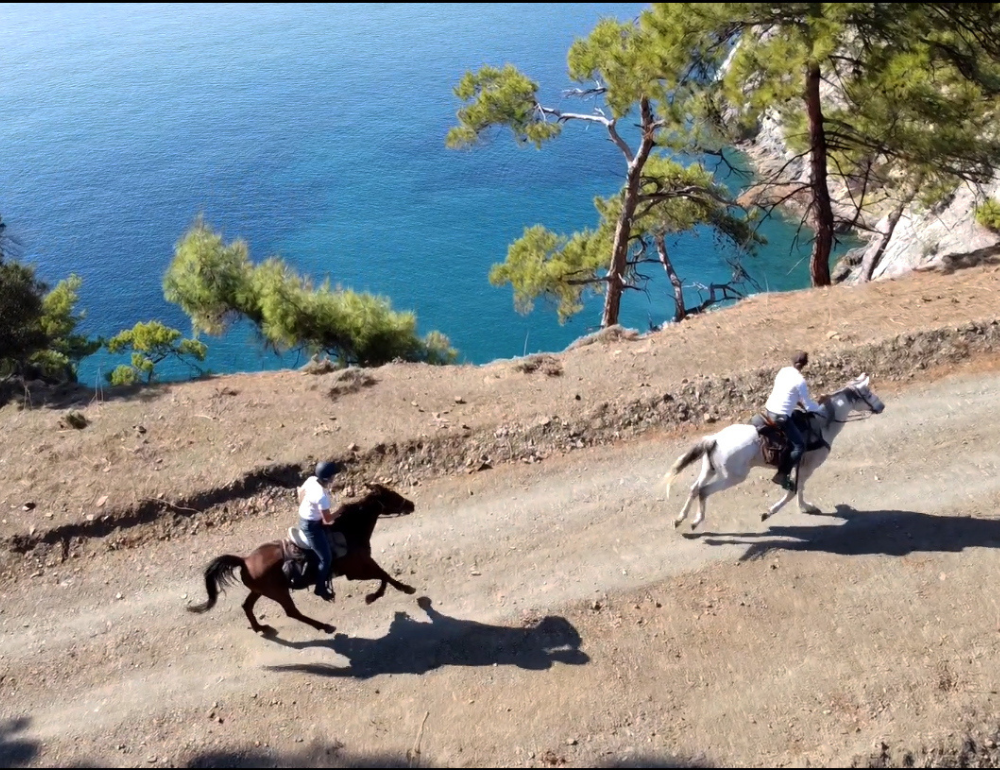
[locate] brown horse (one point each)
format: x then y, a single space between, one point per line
262 573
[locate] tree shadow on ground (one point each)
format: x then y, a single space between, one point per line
36 394
656 760
15 752
952 263
867 533
410 647
316 755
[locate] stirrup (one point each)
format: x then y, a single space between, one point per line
327 595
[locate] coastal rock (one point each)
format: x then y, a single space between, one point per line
942 238
937 239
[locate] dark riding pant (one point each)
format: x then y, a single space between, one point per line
318 541
795 439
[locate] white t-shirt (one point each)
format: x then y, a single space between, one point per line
789 389
315 500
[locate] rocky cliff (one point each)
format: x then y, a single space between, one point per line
943 237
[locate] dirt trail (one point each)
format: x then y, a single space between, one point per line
568 621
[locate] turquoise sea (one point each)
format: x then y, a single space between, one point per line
316 133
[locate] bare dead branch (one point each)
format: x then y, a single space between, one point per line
726 292
563 117
597 90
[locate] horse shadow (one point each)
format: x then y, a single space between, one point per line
870 533
411 647
15 752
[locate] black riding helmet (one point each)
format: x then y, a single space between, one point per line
326 470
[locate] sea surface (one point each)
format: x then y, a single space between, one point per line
316 133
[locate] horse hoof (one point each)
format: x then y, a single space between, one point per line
676 524
764 516
409 590
266 631
329 629
370 598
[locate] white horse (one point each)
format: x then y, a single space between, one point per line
728 456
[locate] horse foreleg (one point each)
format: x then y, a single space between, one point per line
363 567
377 594
805 472
386 578
777 506
248 606
804 505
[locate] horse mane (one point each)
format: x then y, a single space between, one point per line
356 506
825 398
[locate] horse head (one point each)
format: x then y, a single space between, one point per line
863 398
392 503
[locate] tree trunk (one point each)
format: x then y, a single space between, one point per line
661 249
822 210
623 229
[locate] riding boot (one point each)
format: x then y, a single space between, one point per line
781 477
791 484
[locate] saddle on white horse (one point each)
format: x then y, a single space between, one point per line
775 445
338 543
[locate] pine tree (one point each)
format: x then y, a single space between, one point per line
897 99
615 68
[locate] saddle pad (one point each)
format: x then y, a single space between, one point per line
338 541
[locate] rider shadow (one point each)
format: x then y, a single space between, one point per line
410 647
864 533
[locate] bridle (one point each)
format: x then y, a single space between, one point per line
852 392
381 503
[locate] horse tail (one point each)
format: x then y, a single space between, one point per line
218 574
703 447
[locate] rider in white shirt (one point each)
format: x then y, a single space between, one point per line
790 390
314 513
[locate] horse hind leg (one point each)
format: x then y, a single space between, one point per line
248 606
707 470
715 485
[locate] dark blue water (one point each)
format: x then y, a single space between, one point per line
316 133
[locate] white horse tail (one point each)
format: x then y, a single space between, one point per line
704 447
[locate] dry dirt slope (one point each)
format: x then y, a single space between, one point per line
567 623
867 626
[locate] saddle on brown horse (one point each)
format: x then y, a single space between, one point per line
775 446
300 563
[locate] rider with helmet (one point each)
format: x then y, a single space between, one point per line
314 512
789 390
